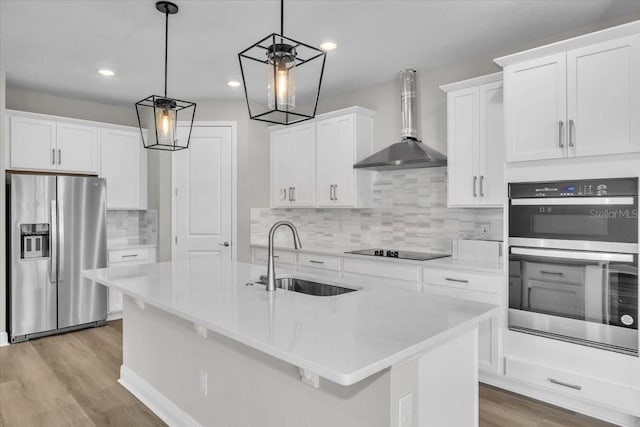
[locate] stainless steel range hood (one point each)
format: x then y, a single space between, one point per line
409 153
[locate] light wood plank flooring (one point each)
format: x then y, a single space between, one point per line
71 380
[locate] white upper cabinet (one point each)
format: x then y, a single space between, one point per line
77 148
43 144
535 109
312 163
603 95
32 143
581 100
124 166
293 166
340 142
475 142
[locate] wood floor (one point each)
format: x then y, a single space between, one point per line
71 380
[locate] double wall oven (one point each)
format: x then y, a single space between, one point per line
573 261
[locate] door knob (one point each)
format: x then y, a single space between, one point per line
225 244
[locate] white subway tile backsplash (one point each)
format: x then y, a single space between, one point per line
132 227
409 213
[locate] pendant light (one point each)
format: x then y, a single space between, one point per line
160 114
282 78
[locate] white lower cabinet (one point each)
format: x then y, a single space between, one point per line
474 287
125 257
577 385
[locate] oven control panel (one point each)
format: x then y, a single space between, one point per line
578 188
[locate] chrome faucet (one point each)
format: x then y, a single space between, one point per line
271 274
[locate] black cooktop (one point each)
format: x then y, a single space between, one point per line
391 253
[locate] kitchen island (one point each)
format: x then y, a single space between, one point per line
204 344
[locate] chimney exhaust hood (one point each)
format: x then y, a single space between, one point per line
409 153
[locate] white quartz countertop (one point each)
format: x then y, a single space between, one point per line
446 262
343 338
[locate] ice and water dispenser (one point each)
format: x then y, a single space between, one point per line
34 241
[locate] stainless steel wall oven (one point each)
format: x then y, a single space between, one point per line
573 261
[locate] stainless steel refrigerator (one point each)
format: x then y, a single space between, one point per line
56 228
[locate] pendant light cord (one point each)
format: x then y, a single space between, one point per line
166 48
282 17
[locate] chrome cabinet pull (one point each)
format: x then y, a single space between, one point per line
556 273
331 196
291 194
294 194
560 132
572 133
481 186
313 261
53 156
449 279
130 256
563 384
59 156
475 179
335 191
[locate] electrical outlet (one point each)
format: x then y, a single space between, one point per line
485 230
405 411
202 379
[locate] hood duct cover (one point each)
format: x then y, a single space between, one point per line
409 153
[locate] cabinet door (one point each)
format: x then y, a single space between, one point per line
335 155
282 158
303 165
124 168
32 144
604 98
491 187
535 109
462 146
77 148
326 167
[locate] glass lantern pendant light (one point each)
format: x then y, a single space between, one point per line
282 78
160 114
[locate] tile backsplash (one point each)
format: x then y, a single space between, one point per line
132 228
409 213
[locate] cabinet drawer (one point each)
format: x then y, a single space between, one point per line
464 280
606 393
382 269
327 262
126 255
560 273
261 255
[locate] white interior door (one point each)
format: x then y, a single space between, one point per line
202 198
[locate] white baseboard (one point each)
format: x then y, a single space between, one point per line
114 316
158 403
4 339
558 399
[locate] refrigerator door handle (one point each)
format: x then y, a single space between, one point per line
60 238
53 258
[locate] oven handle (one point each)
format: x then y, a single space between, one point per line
578 255
571 201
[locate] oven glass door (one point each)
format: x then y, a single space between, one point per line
613 219
581 296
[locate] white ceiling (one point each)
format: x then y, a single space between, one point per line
57 46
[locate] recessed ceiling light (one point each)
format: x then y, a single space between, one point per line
106 73
233 83
328 45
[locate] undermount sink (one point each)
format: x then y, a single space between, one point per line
307 286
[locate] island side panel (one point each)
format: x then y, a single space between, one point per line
448 383
245 387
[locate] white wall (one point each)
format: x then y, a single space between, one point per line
39 102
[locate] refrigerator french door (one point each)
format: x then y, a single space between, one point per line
57 228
